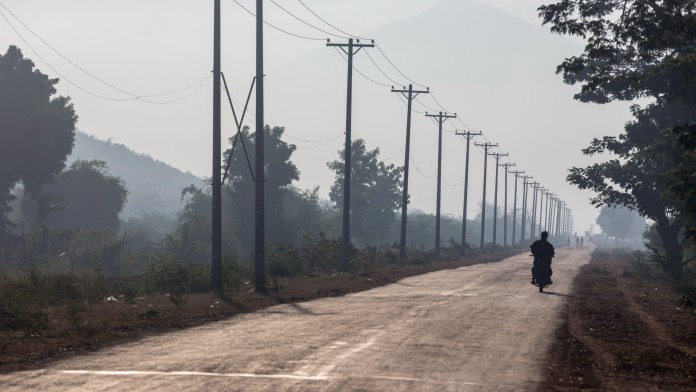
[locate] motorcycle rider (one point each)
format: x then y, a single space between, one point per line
543 251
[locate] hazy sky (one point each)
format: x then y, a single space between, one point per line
159 46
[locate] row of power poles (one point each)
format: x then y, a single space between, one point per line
551 212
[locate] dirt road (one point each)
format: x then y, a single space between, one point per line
482 327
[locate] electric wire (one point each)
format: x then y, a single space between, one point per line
195 85
380 70
329 142
402 99
426 106
438 102
278 28
395 67
329 24
413 160
305 22
203 83
56 71
313 141
358 71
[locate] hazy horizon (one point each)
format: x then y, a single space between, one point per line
120 48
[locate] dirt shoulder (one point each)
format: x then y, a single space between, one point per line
74 330
623 330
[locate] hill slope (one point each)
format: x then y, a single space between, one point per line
154 186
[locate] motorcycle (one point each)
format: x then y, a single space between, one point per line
542 276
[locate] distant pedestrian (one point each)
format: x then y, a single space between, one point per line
569 242
582 239
577 242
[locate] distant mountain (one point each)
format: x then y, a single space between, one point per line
154 186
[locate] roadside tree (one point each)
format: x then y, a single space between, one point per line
37 129
621 223
636 49
85 196
375 192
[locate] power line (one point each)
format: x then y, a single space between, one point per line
380 70
329 24
396 68
278 28
195 85
427 107
405 103
329 142
56 71
358 71
312 141
307 23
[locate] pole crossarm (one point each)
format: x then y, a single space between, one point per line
410 93
353 46
441 117
468 134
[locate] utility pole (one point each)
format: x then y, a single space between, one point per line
507 167
441 118
541 208
532 216
559 206
260 192
535 209
468 135
525 200
216 229
514 206
486 147
547 222
350 49
495 197
412 94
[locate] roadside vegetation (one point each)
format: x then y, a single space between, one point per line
624 329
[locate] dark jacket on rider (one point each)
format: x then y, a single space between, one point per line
543 251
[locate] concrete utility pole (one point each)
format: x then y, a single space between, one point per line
216 229
535 209
541 209
410 95
514 206
495 197
350 49
486 147
468 135
559 207
532 231
260 192
525 186
507 167
441 118
547 222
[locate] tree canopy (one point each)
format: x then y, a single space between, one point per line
280 172
634 48
37 128
85 196
621 223
638 49
375 191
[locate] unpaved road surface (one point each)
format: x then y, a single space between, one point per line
478 328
